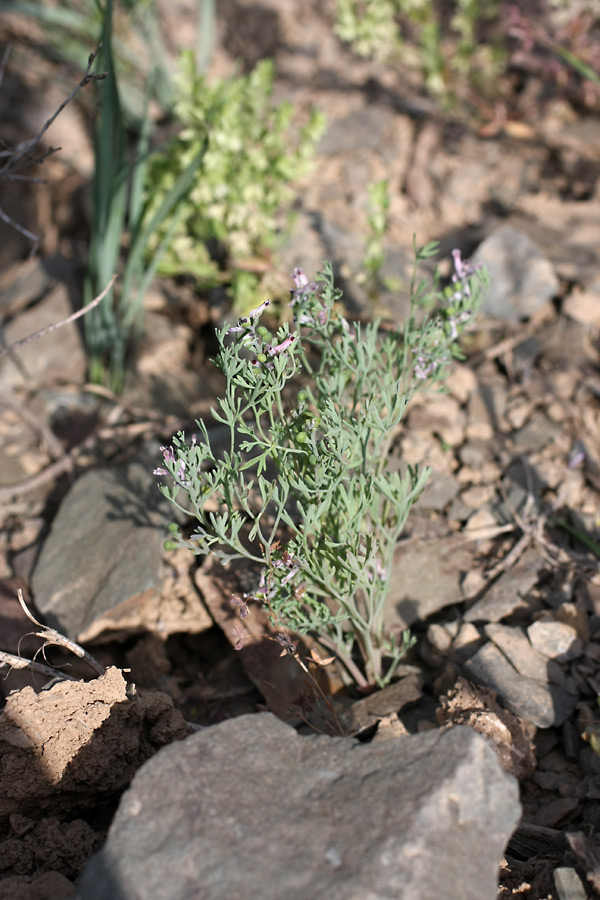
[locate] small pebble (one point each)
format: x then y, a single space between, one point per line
556 640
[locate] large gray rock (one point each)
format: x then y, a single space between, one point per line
249 809
425 578
522 280
105 547
540 702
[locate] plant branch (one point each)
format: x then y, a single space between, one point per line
20 662
32 144
51 636
77 315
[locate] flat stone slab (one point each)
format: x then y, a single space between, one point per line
543 704
104 548
250 809
528 661
555 640
522 280
425 578
508 593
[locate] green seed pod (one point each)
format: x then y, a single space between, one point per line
301 437
173 527
261 357
302 396
170 545
264 332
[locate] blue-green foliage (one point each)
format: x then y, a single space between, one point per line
304 487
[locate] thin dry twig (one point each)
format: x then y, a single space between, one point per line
20 662
533 529
21 229
55 325
53 445
53 637
67 462
123 406
21 157
344 659
26 150
58 467
533 534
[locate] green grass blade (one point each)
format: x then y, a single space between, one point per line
579 65
205 34
584 539
135 260
51 16
140 167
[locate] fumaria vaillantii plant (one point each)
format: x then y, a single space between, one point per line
304 488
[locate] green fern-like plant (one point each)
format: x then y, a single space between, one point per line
232 213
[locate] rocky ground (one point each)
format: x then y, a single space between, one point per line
497 575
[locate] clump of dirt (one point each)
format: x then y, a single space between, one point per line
69 749
48 886
47 844
78 742
479 709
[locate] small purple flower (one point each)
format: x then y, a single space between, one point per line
241 638
424 367
256 313
303 286
300 279
243 606
179 475
453 328
244 322
169 459
289 646
168 455
577 455
288 562
278 349
380 572
257 364
289 575
264 592
462 269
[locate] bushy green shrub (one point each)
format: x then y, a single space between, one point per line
255 150
412 31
